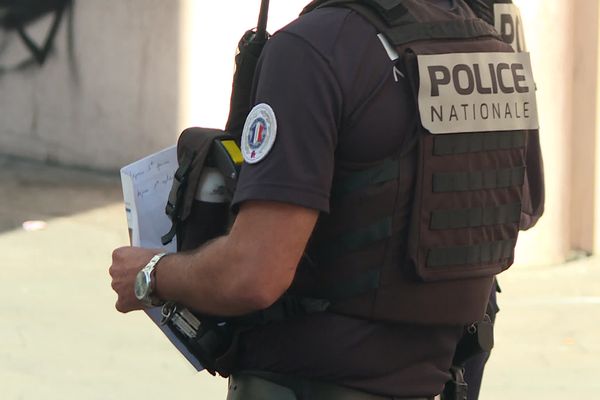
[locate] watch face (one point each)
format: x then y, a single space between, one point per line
142 284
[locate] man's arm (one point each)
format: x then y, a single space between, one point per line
245 271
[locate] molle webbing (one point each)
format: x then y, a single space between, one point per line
471 255
384 172
445 145
476 217
479 180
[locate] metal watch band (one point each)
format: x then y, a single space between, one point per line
150 300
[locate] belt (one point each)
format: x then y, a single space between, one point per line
266 386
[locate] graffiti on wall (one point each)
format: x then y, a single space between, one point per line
18 16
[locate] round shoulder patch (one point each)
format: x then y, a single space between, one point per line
260 131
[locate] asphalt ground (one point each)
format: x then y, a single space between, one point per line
60 337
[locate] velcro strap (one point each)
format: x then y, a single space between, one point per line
174 202
473 143
480 180
485 253
476 217
381 173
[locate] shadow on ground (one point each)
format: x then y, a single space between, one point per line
35 191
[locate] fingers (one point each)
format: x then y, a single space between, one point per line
126 307
123 271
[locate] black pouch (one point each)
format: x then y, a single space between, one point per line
478 338
195 222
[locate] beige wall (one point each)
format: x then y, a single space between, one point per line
125 101
596 220
583 136
147 69
549 33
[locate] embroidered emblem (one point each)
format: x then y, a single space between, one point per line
258 136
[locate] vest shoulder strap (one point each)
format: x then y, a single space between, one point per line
397 23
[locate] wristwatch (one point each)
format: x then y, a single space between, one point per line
145 283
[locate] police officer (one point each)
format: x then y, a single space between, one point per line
330 152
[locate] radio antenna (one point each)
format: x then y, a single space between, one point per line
261 28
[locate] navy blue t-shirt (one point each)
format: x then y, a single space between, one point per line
330 84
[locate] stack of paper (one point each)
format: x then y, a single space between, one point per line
146 187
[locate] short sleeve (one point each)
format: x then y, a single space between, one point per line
298 84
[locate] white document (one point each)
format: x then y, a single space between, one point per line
146 187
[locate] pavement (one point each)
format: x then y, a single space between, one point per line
60 337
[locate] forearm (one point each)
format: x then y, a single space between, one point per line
245 271
212 280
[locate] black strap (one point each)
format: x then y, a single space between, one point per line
380 13
381 173
445 145
485 253
356 240
175 202
484 9
393 19
480 180
466 29
476 217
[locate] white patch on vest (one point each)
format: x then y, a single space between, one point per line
509 24
391 52
477 92
260 131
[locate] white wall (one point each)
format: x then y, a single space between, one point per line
210 34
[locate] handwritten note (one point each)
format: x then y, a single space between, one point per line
146 187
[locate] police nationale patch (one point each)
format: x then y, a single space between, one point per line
477 92
258 136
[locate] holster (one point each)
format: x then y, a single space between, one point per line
456 389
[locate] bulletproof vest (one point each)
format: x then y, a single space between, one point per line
419 236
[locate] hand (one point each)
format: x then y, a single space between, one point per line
126 263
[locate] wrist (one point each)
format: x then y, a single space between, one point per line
146 283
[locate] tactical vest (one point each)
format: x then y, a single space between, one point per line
419 237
